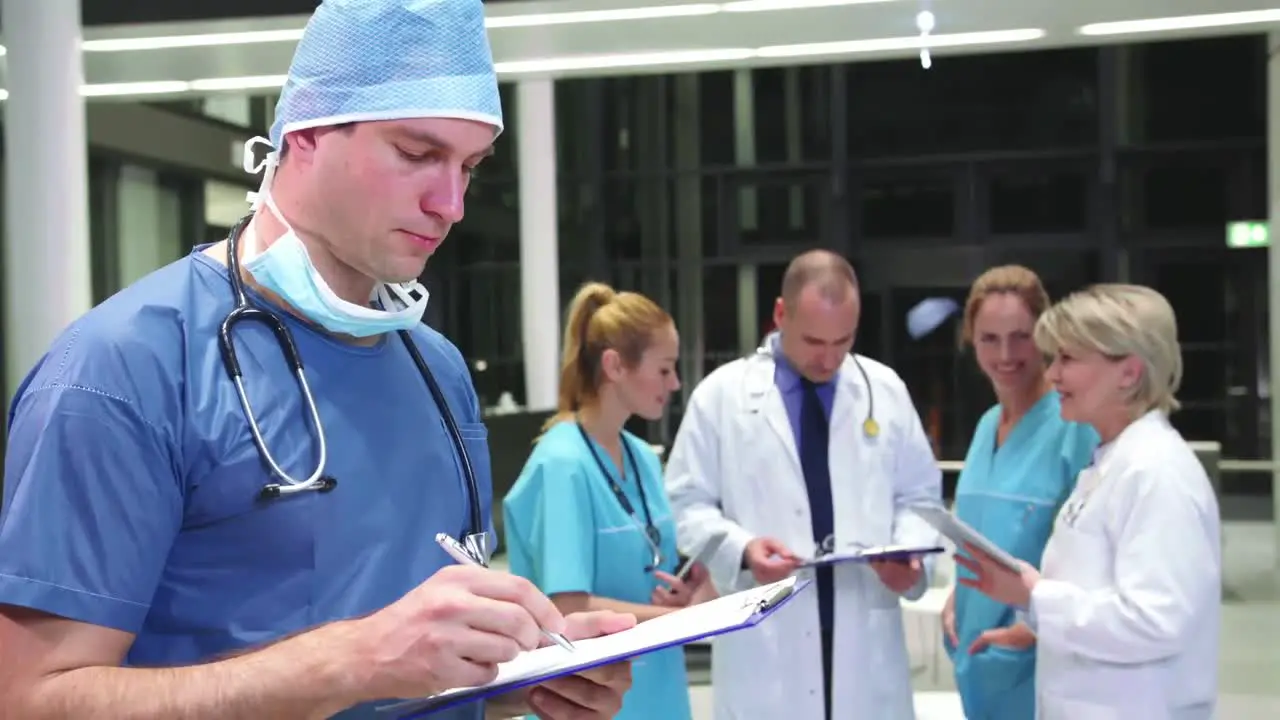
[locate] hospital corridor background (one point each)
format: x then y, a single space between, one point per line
688 151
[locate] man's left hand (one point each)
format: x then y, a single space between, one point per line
898 576
591 695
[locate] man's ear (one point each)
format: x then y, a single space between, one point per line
303 143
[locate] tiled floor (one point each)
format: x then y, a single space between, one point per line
1250 652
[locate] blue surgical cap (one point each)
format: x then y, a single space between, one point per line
364 60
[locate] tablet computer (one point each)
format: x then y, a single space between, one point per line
961 532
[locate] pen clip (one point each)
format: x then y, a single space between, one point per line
477 546
770 601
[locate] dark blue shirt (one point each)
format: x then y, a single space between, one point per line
788 381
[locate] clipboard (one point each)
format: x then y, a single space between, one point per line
895 553
721 616
960 532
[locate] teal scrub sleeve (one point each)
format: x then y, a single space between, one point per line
92 504
561 538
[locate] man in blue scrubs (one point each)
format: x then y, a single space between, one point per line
141 575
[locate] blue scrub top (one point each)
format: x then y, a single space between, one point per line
131 476
567 533
1011 494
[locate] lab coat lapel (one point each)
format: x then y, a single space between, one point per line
848 399
763 397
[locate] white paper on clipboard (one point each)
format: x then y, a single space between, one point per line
715 617
961 532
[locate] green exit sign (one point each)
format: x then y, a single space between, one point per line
1248 235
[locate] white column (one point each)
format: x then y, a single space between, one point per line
46 279
539 252
744 142
1273 271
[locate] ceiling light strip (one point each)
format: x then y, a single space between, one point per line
596 16
186 41
1185 22
578 17
605 62
913 42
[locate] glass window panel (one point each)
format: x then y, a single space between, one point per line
999 101
913 206
1203 89
715 118
1035 201
1203 377
1198 422
770 110
1195 285
622 225
1185 196
719 309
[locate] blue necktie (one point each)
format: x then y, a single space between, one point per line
815 441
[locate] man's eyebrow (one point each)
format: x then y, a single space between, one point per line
431 138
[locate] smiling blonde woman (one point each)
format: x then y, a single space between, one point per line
1126 607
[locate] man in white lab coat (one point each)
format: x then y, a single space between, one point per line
800 448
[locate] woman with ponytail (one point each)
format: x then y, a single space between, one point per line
587 521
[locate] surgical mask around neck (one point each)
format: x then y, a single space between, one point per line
285 269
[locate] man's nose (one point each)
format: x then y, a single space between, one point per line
445 198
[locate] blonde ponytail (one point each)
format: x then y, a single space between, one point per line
577 379
601 319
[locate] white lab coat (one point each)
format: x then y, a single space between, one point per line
734 468
1127 612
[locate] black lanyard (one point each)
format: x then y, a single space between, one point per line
655 537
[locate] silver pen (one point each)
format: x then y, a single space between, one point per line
463 556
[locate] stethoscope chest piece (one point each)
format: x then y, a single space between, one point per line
275 491
871 428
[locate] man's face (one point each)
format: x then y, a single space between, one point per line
387 193
817 333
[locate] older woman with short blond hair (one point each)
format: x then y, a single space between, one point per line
1126 605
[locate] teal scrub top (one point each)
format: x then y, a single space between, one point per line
1011 494
567 532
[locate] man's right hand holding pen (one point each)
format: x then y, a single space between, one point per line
455 629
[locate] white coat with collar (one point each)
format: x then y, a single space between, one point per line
734 469
1127 611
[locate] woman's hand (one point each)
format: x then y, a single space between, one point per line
1015 637
949 619
995 580
679 593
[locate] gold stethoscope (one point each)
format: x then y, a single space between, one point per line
870 428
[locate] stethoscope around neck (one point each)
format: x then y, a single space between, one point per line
870 428
652 535
318 481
